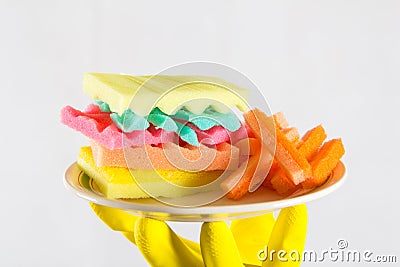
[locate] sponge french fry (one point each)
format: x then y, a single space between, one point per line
244 174
311 141
258 165
272 171
263 128
286 154
248 146
283 185
290 160
256 169
323 163
292 134
280 120
309 145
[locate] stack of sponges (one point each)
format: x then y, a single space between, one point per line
186 143
117 182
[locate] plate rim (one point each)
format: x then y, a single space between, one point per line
200 213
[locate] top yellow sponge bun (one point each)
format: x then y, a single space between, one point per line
169 93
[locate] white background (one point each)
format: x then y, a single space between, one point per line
330 62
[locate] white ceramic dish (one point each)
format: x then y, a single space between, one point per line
261 201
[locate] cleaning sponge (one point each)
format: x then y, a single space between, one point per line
147 92
115 182
169 157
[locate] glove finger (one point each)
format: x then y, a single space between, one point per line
116 219
288 234
162 247
130 236
251 235
218 245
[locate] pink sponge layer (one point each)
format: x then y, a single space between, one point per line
98 126
168 157
219 134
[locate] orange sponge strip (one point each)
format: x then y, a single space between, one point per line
292 134
273 170
309 145
280 120
258 165
248 146
311 141
242 186
262 126
147 157
288 157
283 185
323 163
290 160
255 169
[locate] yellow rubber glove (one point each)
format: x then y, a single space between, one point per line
219 245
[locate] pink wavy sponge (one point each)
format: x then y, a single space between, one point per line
98 126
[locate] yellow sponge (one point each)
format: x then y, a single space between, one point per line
116 182
118 90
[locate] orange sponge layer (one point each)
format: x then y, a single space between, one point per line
169 157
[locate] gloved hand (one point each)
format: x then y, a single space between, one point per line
220 245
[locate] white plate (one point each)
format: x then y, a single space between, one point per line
261 201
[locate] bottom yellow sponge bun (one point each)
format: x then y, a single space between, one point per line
116 182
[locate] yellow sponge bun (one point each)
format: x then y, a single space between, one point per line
116 182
